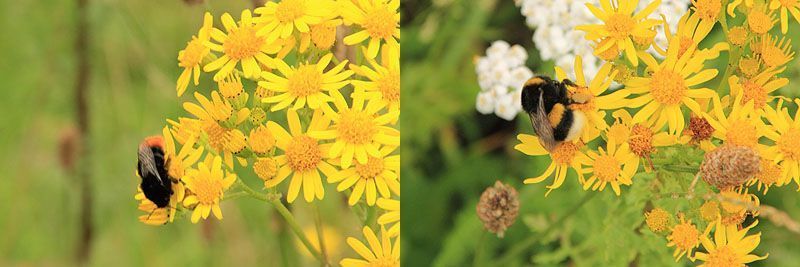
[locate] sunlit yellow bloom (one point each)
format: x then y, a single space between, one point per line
760 20
322 35
769 175
391 215
358 130
684 237
207 184
614 167
279 19
691 31
303 157
379 20
240 43
381 252
708 9
641 139
772 52
383 77
784 130
375 176
192 56
305 84
731 246
562 158
620 26
741 126
212 115
758 88
786 6
670 87
595 92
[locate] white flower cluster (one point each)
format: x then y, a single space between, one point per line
555 21
501 74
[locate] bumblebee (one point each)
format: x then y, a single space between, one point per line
549 104
152 168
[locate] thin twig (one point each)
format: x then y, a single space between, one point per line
320 234
84 155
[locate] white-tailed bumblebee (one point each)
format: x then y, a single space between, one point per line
549 105
152 168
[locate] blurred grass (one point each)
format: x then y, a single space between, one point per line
133 50
451 154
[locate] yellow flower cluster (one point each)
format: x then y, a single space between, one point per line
293 99
673 99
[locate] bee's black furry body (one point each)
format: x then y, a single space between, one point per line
156 190
547 101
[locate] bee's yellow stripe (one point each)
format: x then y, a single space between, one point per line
556 114
534 81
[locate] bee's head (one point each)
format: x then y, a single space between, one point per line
531 92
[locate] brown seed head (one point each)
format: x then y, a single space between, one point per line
498 208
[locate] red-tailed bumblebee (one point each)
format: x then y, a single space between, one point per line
152 168
549 105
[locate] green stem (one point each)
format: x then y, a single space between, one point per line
476 261
532 239
287 216
235 195
320 234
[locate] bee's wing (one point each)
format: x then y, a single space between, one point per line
147 163
541 125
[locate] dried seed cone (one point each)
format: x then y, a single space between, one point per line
729 166
498 208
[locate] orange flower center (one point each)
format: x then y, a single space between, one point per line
356 127
371 169
724 256
641 141
789 144
303 154
756 93
242 43
759 21
289 10
193 54
207 189
607 168
620 26
389 86
305 81
380 22
685 236
708 9
564 153
323 36
770 173
741 133
668 87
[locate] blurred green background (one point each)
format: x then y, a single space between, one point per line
451 153
133 46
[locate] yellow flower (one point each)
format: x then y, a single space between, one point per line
619 26
731 246
615 167
185 128
358 130
384 78
305 84
212 115
769 175
378 18
684 237
594 92
772 52
192 56
786 6
658 220
279 19
240 44
670 87
322 35
375 176
641 139
758 88
784 130
563 157
740 127
709 9
760 21
392 215
303 157
381 252
691 31
207 184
